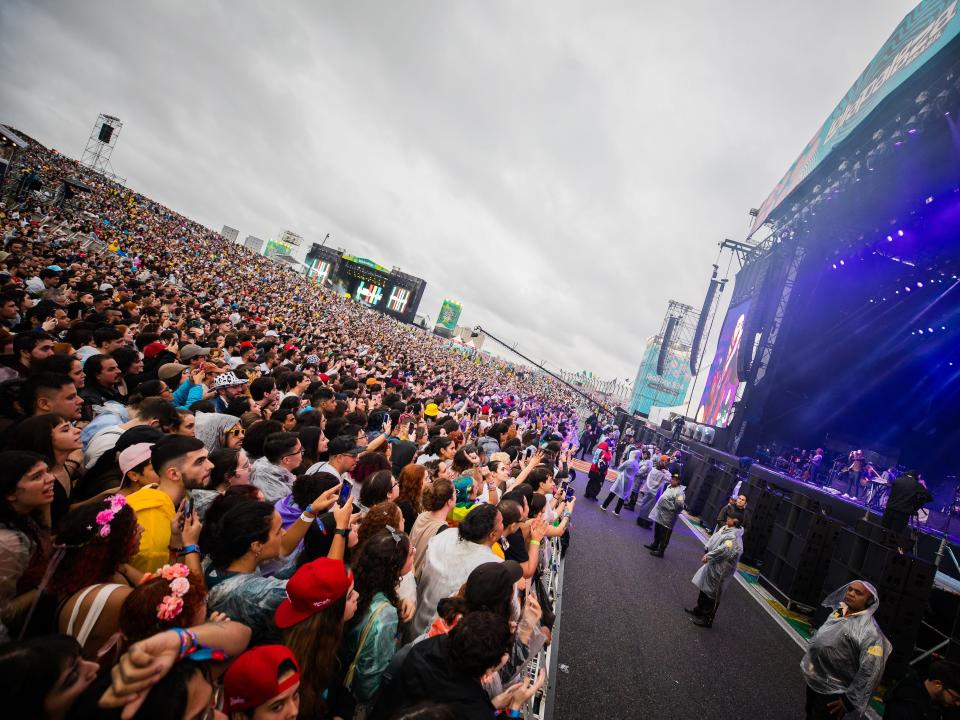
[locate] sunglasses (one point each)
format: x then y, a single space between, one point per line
235 432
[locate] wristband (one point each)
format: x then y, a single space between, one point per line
307 518
342 531
188 641
187 549
566 514
514 713
534 542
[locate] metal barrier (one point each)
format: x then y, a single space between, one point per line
540 706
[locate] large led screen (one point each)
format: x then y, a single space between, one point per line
716 405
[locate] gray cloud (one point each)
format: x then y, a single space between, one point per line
561 168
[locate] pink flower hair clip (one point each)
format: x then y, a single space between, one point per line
171 605
105 517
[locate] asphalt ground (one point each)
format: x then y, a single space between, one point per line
626 648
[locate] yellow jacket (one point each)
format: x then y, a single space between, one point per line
155 511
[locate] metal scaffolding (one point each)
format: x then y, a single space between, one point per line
664 373
100 144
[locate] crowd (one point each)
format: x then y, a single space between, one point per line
229 492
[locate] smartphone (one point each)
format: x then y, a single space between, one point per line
344 493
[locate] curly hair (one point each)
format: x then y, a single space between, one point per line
376 519
411 485
88 558
138 614
377 569
367 465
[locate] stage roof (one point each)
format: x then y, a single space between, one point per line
926 30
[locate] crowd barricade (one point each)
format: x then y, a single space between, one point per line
540 706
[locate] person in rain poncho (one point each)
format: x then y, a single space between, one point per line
622 486
719 565
646 465
649 489
845 659
665 514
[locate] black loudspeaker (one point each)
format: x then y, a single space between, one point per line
702 322
699 490
760 523
106 132
720 491
665 344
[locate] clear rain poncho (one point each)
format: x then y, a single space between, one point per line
848 653
668 507
723 552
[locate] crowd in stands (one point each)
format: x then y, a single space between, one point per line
230 492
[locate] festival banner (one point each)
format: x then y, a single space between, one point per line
449 314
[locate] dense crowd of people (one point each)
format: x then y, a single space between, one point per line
230 492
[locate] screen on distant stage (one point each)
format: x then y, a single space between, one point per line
368 293
716 405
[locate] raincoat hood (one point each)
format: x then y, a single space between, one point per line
210 427
835 599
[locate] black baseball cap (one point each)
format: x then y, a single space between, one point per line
343 445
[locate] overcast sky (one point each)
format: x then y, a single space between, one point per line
561 168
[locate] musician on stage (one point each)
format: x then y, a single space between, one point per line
908 494
875 485
854 472
816 463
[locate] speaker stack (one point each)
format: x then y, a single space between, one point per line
797 556
904 583
721 484
762 508
698 486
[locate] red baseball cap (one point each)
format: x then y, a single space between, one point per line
153 349
313 587
252 679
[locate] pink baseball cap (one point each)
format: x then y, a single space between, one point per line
133 456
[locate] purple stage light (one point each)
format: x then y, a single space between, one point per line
834 266
841 262
907 288
900 233
920 331
929 200
889 238
929 330
919 284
